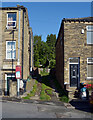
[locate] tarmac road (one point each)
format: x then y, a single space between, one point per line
33 110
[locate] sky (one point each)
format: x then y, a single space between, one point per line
45 17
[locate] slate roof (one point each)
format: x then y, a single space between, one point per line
85 19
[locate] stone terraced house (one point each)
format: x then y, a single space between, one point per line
14 25
74 53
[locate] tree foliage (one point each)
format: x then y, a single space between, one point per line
44 51
51 40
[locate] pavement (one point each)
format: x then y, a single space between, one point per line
20 100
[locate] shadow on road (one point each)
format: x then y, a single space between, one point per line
82 105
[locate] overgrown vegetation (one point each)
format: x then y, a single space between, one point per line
44 95
44 73
32 93
44 52
27 97
64 98
63 94
46 88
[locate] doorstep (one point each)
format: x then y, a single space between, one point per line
68 105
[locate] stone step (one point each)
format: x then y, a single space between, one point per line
71 94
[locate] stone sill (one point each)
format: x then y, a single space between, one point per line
8 30
89 78
89 45
9 60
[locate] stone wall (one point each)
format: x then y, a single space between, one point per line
7 35
13 88
60 57
1 51
75 45
8 66
72 43
26 48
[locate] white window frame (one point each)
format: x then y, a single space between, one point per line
10 21
91 30
87 68
7 49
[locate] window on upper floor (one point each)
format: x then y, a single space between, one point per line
90 34
10 49
11 20
90 68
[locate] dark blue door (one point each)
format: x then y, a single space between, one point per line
74 75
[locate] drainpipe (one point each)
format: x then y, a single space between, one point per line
18 62
31 50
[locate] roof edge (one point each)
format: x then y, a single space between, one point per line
84 19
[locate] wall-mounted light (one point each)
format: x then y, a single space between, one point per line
82 31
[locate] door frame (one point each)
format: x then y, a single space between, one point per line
6 76
78 63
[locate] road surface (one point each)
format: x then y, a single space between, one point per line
34 110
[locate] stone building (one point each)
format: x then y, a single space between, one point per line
15 35
74 52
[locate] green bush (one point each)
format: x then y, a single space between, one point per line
48 97
36 81
27 97
43 86
35 86
44 73
49 91
32 93
44 96
42 92
64 98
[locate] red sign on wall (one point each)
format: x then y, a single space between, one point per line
18 72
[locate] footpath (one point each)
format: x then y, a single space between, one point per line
20 100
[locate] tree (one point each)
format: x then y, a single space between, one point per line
44 52
37 47
51 40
